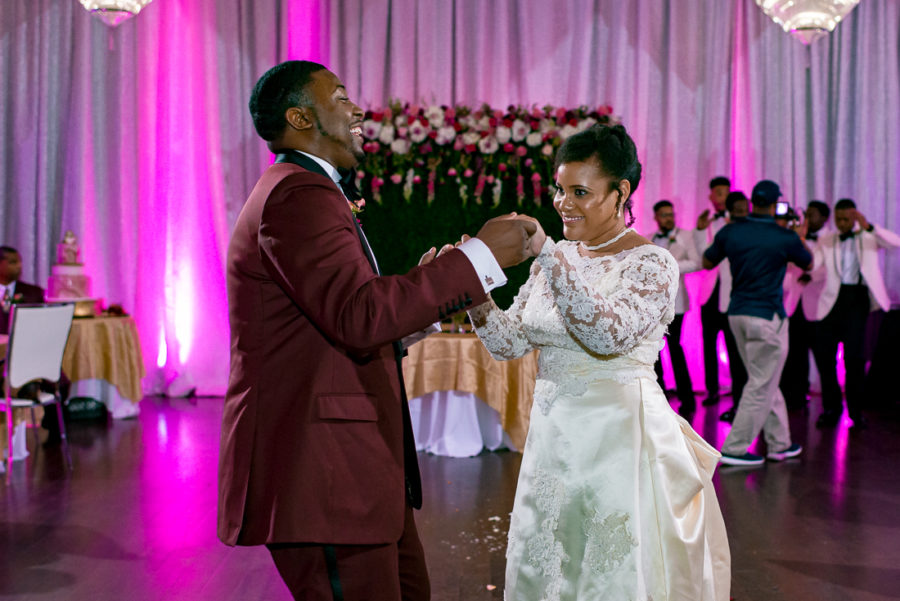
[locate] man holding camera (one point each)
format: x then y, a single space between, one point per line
758 251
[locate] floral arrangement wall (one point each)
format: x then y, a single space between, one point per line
432 173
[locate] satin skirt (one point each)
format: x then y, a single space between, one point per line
614 502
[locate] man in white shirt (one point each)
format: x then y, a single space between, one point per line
795 376
715 293
846 285
678 242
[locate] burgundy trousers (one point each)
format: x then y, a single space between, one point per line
389 572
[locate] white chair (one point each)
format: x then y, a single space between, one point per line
37 339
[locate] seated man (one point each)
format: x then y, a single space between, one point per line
14 291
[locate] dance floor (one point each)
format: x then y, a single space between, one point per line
136 519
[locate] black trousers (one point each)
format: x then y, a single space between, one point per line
794 381
713 322
845 323
683 383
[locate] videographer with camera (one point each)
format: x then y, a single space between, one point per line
758 251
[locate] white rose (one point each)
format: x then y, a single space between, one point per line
435 116
386 135
534 139
503 134
488 145
400 146
586 124
484 123
520 129
370 129
471 137
445 135
418 132
546 125
567 131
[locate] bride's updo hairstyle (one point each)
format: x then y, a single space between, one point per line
613 150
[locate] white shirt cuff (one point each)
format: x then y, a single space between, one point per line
486 266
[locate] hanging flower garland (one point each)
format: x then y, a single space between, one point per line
479 148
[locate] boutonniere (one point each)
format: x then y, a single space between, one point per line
357 206
17 297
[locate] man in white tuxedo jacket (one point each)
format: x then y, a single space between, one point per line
681 244
846 285
715 294
795 375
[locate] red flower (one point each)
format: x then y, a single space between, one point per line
507 122
508 147
502 167
457 126
432 134
377 116
492 122
573 122
469 148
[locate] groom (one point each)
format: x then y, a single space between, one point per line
317 459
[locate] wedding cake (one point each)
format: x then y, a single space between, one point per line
68 282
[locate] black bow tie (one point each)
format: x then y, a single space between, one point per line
812 236
661 235
718 215
348 184
847 235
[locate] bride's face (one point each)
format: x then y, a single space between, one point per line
587 202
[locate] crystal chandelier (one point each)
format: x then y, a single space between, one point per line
113 12
807 20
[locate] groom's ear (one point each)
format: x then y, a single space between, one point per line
299 117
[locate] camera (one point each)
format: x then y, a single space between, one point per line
784 210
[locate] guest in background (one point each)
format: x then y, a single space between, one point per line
317 459
680 243
14 291
846 285
795 375
714 295
737 204
759 251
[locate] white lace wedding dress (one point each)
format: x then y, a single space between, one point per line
614 500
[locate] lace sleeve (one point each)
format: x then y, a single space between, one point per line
501 331
615 323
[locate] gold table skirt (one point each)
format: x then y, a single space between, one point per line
106 348
459 362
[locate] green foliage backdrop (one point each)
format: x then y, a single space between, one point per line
400 231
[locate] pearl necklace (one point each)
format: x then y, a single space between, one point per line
608 242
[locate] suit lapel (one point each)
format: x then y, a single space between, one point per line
297 158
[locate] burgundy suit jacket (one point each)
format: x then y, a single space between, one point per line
312 432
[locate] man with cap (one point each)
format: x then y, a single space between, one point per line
758 251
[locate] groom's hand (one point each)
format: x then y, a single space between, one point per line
509 238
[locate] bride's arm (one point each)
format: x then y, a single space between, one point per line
501 331
618 322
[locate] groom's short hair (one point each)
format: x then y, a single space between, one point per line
280 88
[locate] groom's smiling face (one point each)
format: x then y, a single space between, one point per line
586 201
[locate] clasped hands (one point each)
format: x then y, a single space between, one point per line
511 238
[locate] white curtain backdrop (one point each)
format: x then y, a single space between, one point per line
138 138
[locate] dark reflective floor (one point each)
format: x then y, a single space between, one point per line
136 520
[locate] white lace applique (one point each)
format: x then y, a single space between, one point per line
501 332
609 542
618 320
545 552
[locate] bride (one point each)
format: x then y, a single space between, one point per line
614 500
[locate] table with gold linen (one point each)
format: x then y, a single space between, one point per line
459 364
103 361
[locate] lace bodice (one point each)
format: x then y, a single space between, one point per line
591 317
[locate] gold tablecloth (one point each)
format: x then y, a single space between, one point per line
106 348
460 362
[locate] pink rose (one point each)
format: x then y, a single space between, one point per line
417 179
560 114
450 113
489 179
396 178
498 113
360 174
521 151
468 173
535 177
528 162
502 167
451 172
